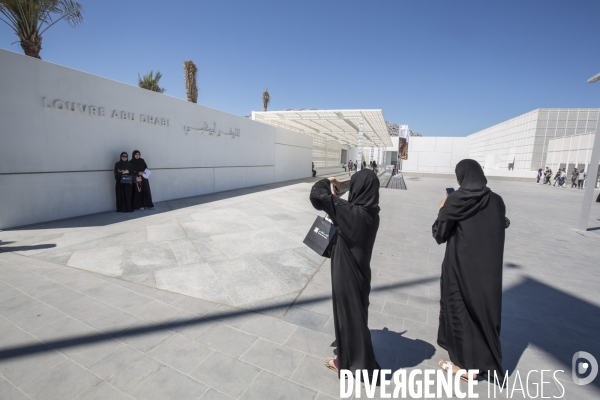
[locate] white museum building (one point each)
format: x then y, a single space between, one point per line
63 131
517 148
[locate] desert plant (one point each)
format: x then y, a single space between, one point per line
150 81
29 19
191 88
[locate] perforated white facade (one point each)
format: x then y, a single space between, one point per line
326 152
520 145
572 152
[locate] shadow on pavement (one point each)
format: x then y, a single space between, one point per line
394 351
23 248
551 321
20 351
537 316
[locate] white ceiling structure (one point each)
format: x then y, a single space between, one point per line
342 125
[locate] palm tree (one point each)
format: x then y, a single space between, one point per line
150 82
266 99
191 88
31 18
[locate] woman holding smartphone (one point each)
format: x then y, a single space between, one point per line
471 222
356 222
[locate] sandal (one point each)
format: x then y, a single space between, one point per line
445 365
328 362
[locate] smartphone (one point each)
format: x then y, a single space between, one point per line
341 188
449 191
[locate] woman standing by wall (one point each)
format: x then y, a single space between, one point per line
142 197
472 222
123 190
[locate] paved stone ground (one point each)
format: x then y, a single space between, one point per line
241 248
70 332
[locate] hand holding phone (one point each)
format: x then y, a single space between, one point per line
338 188
342 187
449 191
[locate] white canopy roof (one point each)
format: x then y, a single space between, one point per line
342 125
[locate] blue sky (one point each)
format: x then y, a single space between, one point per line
445 68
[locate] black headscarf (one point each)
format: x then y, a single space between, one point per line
139 165
472 196
364 190
123 165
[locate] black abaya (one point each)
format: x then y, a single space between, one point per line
142 197
356 222
472 223
123 190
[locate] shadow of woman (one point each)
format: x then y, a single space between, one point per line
23 248
393 351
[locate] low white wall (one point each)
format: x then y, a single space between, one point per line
57 163
435 154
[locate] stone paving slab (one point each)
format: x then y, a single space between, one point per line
69 332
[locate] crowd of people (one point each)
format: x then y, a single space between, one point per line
577 177
471 276
132 186
352 166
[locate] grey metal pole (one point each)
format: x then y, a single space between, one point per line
360 145
590 185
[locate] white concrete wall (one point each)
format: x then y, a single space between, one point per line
567 150
435 154
353 154
58 163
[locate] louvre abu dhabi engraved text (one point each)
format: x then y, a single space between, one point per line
97 111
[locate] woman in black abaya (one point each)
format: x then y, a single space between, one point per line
123 190
142 197
356 222
471 222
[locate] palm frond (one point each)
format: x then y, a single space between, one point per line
150 82
29 19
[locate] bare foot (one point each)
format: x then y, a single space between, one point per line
330 363
445 365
